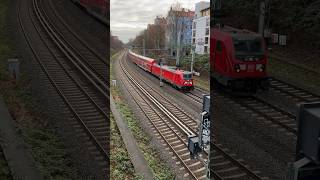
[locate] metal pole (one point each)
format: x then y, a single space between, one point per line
192 59
161 83
178 48
262 17
144 48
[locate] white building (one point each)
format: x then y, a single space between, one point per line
201 28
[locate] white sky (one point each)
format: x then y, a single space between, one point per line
129 17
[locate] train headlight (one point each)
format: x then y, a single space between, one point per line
260 67
237 68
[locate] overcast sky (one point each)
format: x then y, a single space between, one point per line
129 17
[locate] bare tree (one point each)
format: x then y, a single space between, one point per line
176 25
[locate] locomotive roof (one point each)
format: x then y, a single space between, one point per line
142 57
173 69
241 34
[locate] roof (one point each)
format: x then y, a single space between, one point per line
142 57
238 33
173 69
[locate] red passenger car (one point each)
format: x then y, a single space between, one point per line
97 8
178 78
238 59
142 61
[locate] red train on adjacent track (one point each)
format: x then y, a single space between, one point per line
97 8
238 59
178 78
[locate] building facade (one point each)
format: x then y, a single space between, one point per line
201 28
179 30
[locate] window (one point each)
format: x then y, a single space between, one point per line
194 33
194 25
206 49
187 76
255 46
219 46
206 40
207 31
247 46
193 40
208 22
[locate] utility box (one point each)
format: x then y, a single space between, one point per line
193 146
206 103
114 82
308 144
307 164
14 68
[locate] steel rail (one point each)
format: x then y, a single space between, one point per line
53 83
154 125
81 57
91 76
239 164
294 87
180 124
265 115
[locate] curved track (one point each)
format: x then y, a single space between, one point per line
76 83
269 112
96 62
293 92
174 127
194 96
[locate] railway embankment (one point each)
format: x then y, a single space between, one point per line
137 125
27 101
303 71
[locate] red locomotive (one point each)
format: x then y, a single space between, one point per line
178 78
97 8
238 59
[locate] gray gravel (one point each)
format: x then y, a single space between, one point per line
49 102
143 121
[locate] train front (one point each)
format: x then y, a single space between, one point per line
187 81
249 62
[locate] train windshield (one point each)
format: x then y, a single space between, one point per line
248 47
187 76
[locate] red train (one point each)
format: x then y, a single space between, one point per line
178 78
98 8
238 59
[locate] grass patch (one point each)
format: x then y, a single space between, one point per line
159 168
121 166
202 82
294 74
5 51
50 154
45 145
5 173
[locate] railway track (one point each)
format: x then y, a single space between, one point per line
282 119
194 96
77 84
278 57
263 111
93 59
166 125
170 132
269 112
293 92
